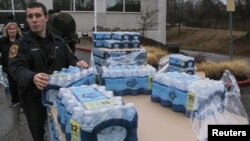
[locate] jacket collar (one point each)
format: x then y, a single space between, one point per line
29 36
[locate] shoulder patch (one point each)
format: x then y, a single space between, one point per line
13 51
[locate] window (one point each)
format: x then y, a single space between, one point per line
20 4
74 5
115 5
124 5
5 5
19 7
84 5
132 6
64 5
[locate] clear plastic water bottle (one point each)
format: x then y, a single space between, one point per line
61 82
52 80
108 94
64 100
71 104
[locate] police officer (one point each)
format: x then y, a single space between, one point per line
32 58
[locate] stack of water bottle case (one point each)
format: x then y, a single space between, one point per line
114 44
171 89
186 93
86 112
181 63
120 61
175 87
170 85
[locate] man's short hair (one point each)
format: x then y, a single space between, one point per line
37 5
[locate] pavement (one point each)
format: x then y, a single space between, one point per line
13 124
213 57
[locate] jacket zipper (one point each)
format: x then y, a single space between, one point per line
46 62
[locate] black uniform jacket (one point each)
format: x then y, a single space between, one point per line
29 60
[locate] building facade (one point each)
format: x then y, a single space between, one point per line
109 14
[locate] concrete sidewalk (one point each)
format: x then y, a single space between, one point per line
84 45
215 57
13 124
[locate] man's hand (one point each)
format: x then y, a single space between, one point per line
82 64
41 80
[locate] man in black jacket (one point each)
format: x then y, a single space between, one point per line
36 55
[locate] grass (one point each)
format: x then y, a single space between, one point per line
154 54
209 40
240 69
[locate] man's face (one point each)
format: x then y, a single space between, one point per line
36 19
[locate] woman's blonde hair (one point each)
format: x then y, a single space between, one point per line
5 29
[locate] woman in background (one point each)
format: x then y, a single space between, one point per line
11 32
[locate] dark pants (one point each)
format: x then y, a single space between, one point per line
13 89
36 115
